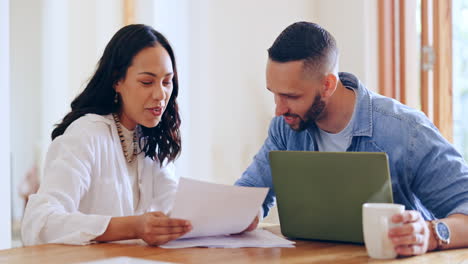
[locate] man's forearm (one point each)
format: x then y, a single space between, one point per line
458 224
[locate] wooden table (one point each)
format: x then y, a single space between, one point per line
305 252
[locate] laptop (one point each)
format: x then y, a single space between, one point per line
320 194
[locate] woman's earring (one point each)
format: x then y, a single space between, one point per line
116 98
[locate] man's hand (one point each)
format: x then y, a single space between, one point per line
252 226
412 237
155 228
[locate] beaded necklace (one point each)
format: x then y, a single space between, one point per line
128 157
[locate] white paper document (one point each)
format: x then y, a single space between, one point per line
256 238
216 209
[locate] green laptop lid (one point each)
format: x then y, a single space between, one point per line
320 194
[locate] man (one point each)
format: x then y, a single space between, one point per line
319 109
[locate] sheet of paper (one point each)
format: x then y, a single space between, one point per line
124 260
256 238
216 209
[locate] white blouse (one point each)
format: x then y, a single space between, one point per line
86 182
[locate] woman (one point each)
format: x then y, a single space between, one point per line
108 173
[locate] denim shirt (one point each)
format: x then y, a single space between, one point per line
427 173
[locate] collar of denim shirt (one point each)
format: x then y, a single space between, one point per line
363 117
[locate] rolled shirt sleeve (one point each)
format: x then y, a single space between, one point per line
440 174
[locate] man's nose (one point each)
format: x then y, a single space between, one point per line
281 107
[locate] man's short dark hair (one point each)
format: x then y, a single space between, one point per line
306 41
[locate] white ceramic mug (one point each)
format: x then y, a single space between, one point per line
376 221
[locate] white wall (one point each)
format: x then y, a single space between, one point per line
353 23
5 217
55 88
26 92
88 37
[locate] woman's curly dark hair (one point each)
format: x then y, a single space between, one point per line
161 142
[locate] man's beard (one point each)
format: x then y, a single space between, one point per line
311 115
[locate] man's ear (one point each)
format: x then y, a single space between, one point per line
329 85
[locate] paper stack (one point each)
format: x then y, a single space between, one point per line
257 238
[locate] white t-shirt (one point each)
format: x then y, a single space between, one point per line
338 142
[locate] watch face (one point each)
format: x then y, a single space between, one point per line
443 231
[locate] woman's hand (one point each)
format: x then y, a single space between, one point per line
155 228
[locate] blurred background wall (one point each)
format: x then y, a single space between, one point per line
5 179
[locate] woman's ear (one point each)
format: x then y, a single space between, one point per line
118 86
